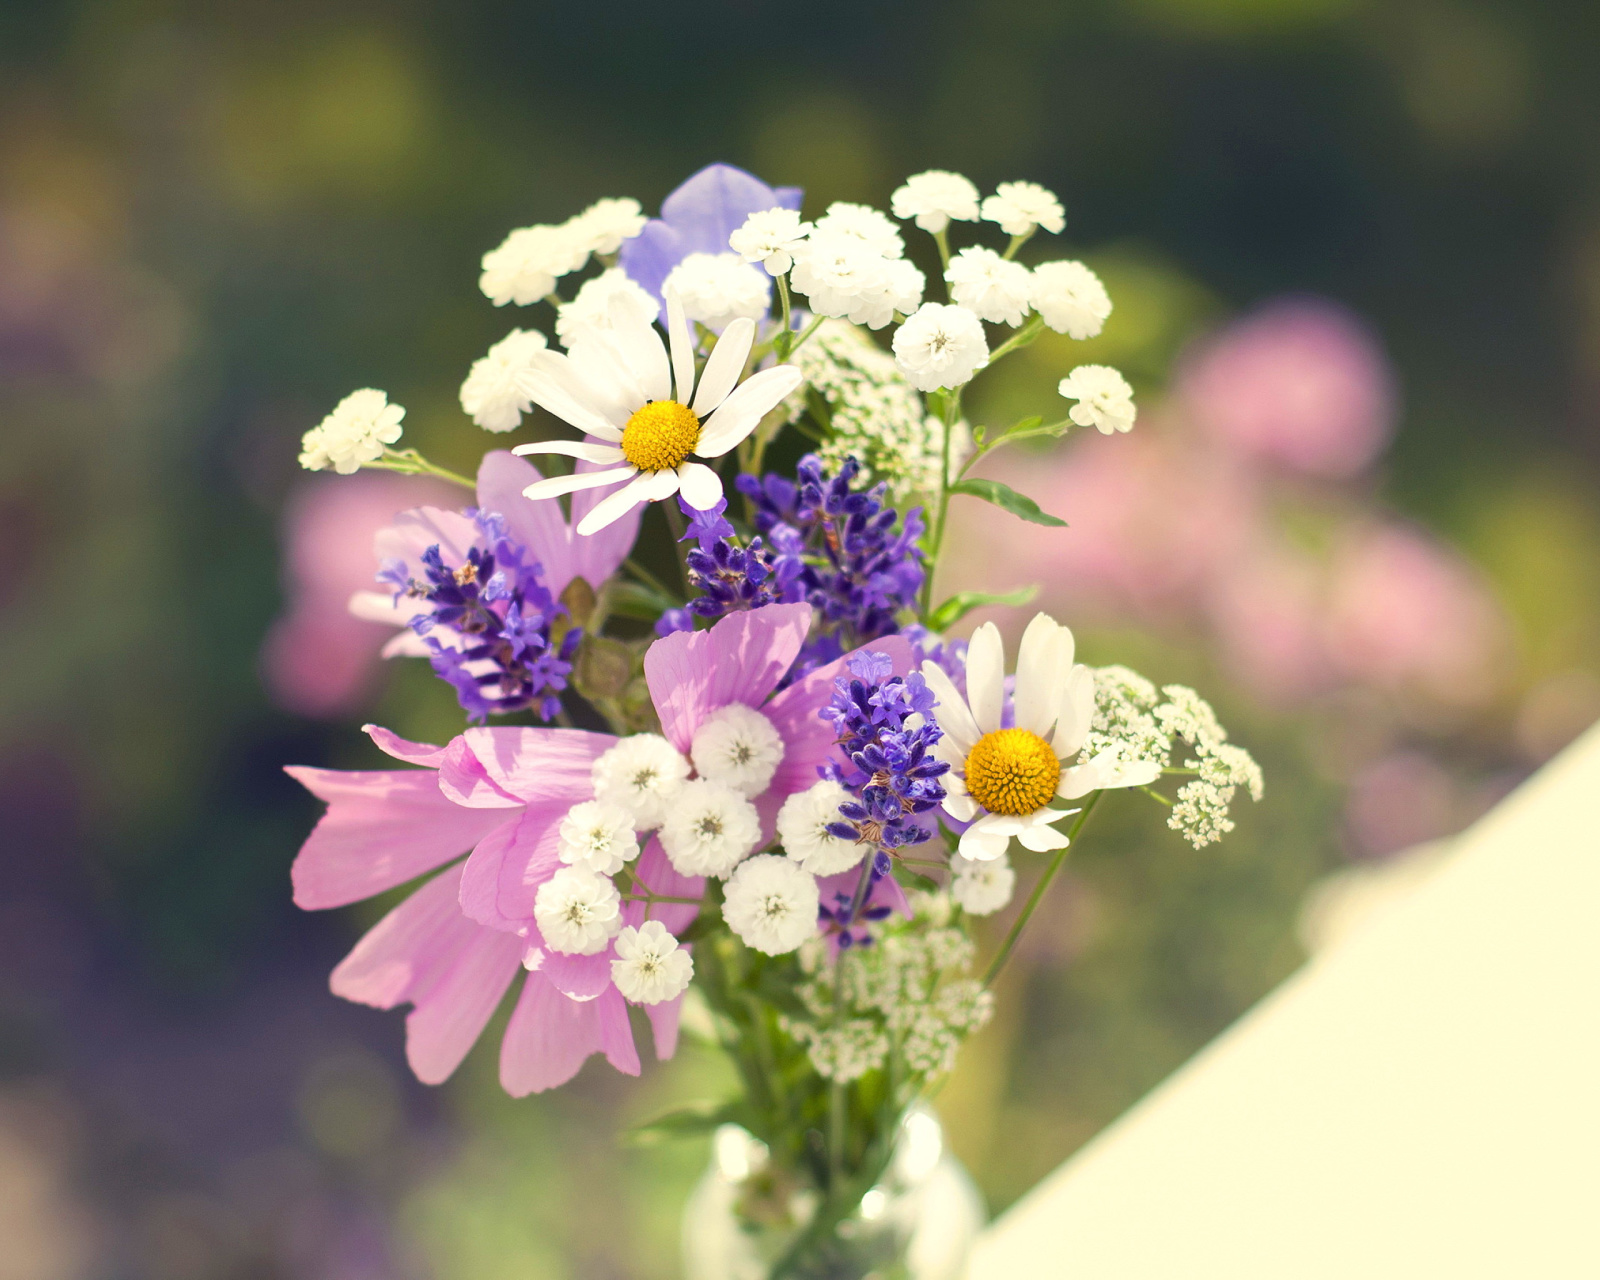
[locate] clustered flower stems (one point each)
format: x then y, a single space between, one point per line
409 462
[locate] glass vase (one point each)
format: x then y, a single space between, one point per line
918 1223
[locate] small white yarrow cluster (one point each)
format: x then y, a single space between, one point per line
1021 208
803 830
981 888
851 265
737 747
612 298
1201 809
356 432
709 828
492 396
771 904
875 415
941 346
1070 298
650 965
771 237
526 265
577 911
991 287
936 198
642 774
843 1053
718 288
1105 400
597 835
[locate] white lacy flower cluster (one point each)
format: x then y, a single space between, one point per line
875 415
907 995
356 432
1136 722
850 264
526 265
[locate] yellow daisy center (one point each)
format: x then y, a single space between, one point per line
660 436
1012 771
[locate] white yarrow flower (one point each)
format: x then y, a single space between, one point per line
840 275
992 287
642 774
771 238
1105 400
981 888
650 966
604 225
771 903
577 912
737 747
709 828
1004 781
803 830
355 432
598 835
613 297
718 288
1019 207
940 346
864 223
491 396
1070 298
650 416
934 198
529 261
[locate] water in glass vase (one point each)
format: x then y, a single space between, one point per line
919 1222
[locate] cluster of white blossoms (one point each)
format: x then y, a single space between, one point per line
358 430
1135 723
909 994
526 265
875 416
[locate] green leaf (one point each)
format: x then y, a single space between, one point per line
959 606
684 1122
1003 495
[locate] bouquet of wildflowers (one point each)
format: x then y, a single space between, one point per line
763 786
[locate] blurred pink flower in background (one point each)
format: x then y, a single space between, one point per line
1300 383
319 660
1267 613
1399 801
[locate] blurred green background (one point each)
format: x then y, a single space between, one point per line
216 219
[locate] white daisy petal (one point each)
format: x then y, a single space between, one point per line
700 486
952 713
555 486
722 370
1076 711
982 846
986 676
573 449
640 345
1040 678
682 350
548 383
1041 839
610 379
961 808
614 506
738 415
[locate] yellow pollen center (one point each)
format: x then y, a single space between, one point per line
1013 772
660 436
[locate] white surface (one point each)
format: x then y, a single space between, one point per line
1422 1100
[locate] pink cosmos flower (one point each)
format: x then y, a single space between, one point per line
1300 383
452 949
537 526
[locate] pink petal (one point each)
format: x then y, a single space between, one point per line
741 659
550 1036
414 531
662 877
581 977
540 766
504 854
537 525
452 971
396 746
382 828
463 777
664 1023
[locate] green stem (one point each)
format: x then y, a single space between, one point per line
806 333
675 523
1030 330
952 414
780 342
1037 895
408 462
649 579
1017 242
942 239
1156 795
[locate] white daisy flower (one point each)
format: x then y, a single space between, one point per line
709 828
803 830
529 261
940 346
1004 781
771 903
1019 207
718 288
598 835
604 225
933 198
491 395
1105 400
862 222
981 888
642 774
355 432
650 966
996 289
1070 298
737 747
650 417
577 912
771 238
612 297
